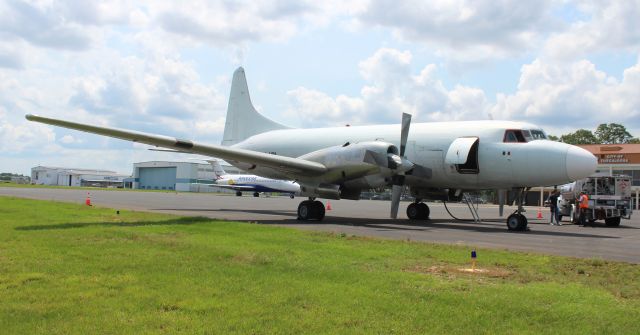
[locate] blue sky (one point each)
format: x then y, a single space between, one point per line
165 67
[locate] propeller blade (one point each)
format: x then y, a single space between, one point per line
395 200
502 195
404 132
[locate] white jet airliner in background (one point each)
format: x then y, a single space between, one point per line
438 160
251 183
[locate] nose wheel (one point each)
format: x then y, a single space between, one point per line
517 221
418 211
311 210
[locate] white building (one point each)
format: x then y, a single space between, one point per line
178 176
46 175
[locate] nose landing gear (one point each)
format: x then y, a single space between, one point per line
517 221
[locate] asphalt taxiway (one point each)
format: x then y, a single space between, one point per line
370 218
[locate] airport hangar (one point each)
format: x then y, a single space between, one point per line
153 175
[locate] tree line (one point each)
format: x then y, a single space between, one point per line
606 133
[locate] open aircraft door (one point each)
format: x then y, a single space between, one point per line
463 155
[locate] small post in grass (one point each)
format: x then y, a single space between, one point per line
473 260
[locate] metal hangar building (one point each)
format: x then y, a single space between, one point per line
176 176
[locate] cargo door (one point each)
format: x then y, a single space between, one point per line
463 154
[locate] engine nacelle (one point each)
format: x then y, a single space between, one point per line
351 161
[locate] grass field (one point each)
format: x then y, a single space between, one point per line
72 269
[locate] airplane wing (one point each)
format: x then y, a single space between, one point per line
291 166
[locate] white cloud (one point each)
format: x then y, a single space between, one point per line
43 25
576 94
68 139
391 89
15 138
465 30
607 25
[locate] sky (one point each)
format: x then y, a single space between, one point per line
165 67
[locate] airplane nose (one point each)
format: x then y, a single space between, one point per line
580 163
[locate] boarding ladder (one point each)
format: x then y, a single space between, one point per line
473 207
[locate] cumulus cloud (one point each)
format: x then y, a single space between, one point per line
577 94
392 88
465 30
42 25
16 138
162 95
604 25
556 95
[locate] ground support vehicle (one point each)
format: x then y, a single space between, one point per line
609 199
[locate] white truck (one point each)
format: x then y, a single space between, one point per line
609 199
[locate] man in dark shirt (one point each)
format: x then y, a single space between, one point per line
553 206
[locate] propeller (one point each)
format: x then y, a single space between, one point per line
402 165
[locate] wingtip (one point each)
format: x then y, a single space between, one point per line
29 117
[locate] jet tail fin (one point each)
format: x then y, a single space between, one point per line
243 120
218 171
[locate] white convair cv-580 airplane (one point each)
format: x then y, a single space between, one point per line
251 183
435 160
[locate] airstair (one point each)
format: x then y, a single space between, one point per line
473 207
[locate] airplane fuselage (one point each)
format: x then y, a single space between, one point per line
253 183
500 164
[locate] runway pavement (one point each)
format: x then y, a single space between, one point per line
370 218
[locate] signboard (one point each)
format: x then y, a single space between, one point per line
629 158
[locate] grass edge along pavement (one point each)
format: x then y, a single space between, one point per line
68 269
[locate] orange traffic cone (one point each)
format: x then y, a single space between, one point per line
328 205
539 214
88 201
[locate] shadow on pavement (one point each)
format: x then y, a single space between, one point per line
178 221
405 225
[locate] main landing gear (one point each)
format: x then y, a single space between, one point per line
311 210
418 211
238 194
517 221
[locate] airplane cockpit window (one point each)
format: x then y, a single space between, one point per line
514 136
538 134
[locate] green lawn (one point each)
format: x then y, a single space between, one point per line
72 269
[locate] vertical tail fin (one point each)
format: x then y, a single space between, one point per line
243 120
218 171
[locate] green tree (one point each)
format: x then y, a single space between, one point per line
581 136
612 133
553 138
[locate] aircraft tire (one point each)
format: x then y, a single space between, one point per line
424 211
517 222
256 194
305 210
612 222
238 194
291 196
311 210
319 210
413 211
